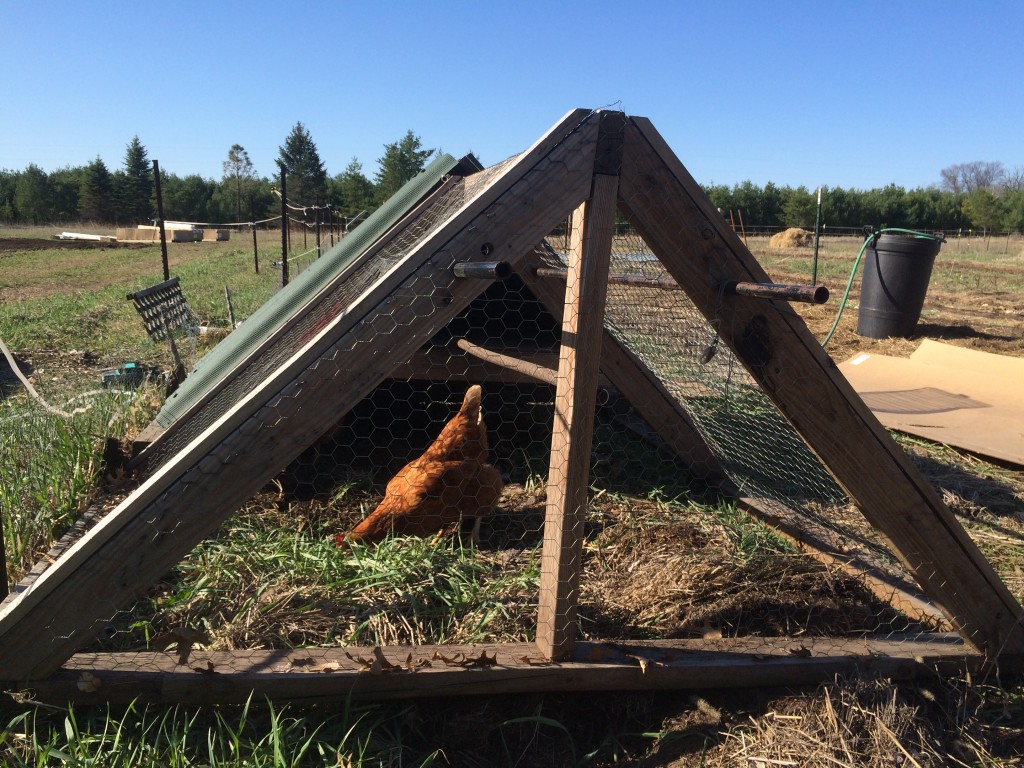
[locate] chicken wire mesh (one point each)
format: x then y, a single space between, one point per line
184 424
663 553
656 550
700 566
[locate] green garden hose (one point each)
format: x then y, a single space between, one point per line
873 236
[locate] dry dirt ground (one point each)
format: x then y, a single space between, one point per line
40 244
982 320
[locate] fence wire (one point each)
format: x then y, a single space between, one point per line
422 516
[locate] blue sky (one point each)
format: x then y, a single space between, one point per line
845 94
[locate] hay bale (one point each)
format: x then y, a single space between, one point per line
794 237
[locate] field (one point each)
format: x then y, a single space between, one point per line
973 297
266 580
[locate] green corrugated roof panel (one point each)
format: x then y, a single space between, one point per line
284 304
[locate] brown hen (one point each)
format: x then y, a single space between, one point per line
450 482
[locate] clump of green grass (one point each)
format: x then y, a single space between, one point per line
258 584
76 299
253 735
50 466
752 540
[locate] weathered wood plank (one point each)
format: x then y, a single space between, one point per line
701 251
335 674
575 403
156 436
188 498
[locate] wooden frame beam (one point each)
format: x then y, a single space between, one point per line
575 404
606 161
155 436
312 675
185 501
702 253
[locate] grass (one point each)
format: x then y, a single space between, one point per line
964 265
273 578
50 465
263 583
58 298
251 736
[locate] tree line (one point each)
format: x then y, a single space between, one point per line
125 196
979 196
982 196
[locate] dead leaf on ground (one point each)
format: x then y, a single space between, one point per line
530 662
461 660
378 664
183 638
88 682
413 664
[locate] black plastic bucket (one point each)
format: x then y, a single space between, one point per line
896 274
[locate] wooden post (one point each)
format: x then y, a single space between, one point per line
72 600
160 219
675 218
575 402
316 212
284 226
252 223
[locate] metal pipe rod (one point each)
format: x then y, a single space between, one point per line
491 270
160 217
809 294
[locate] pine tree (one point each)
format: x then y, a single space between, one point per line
33 196
96 197
189 198
307 177
135 187
65 187
238 174
351 191
401 161
8 180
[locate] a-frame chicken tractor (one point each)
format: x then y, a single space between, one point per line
636 365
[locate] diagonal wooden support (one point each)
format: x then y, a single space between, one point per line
701 252
597 157
219 390
70 603
575 403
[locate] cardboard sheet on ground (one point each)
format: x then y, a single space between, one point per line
962 397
